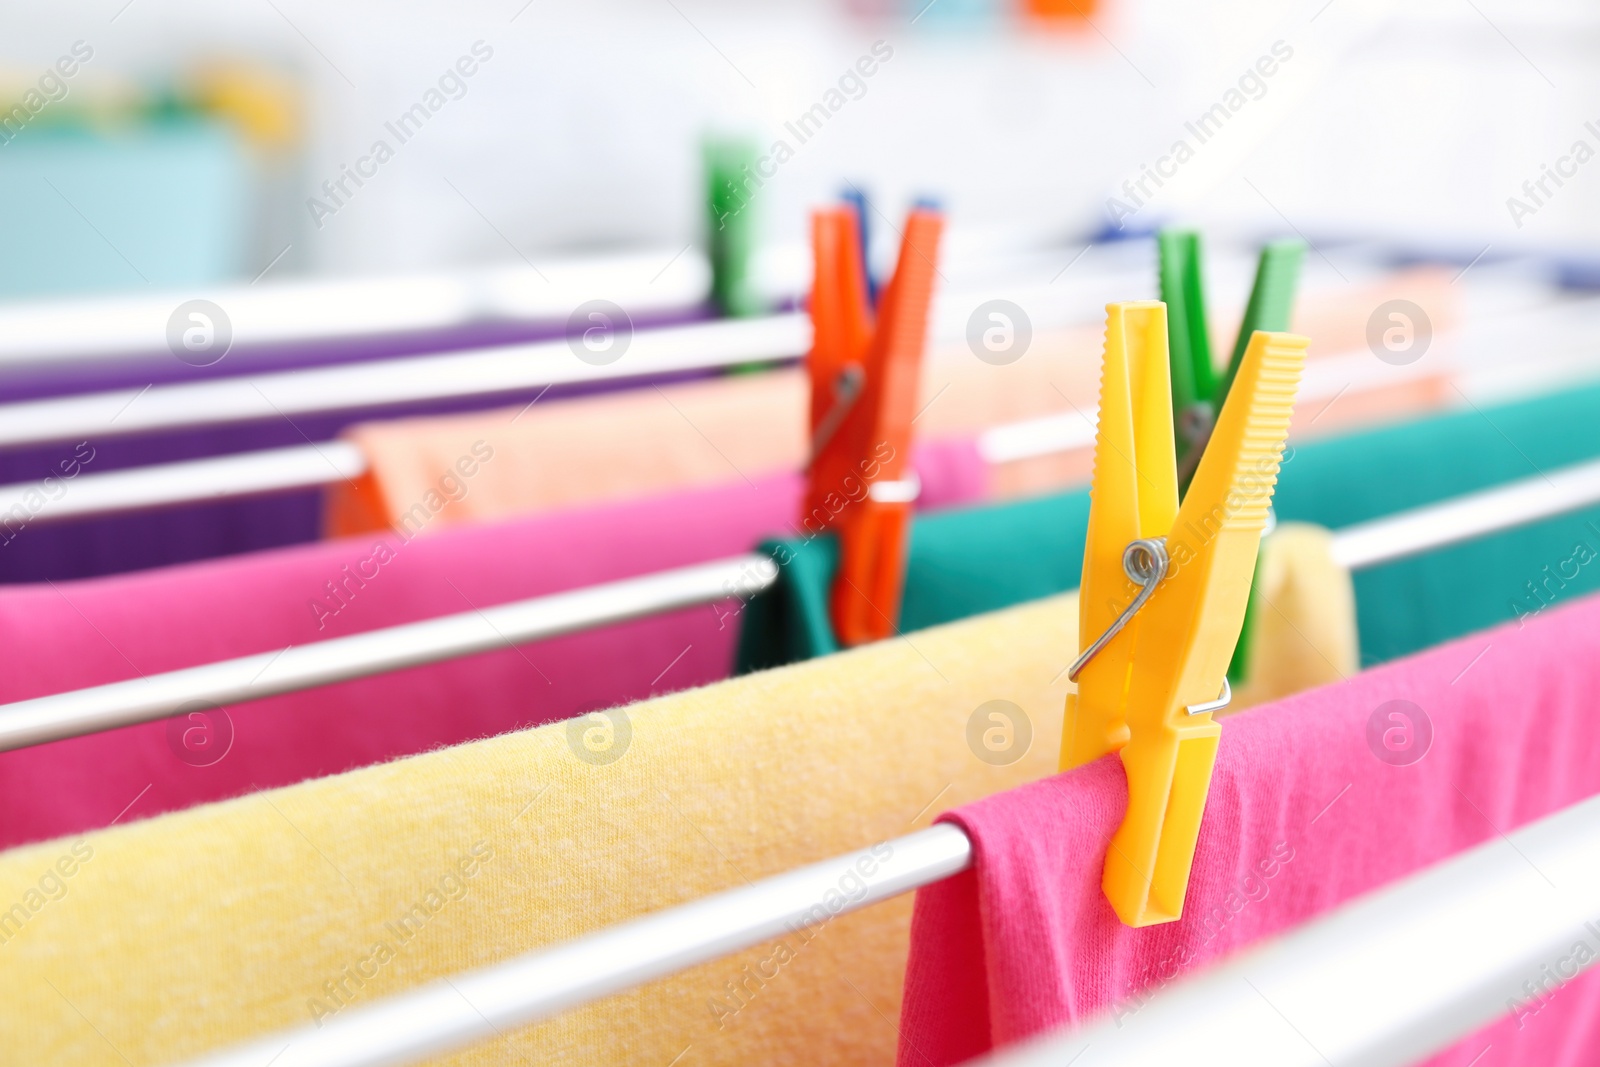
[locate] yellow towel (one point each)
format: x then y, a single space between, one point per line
194 930
1305 617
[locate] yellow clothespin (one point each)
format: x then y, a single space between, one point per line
1164 593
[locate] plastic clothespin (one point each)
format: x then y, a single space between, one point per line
858 200
1189 342
864 379
1197 393
1197 390
731 185
1155 649
1270 308
1271 304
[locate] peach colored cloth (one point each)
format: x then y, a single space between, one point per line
653 440
573 452
657 439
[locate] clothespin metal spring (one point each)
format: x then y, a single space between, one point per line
1145 561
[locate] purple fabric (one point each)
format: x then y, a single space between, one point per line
73 634
115 544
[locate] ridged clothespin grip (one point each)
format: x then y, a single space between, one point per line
1151 690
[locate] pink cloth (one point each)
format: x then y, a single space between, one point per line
69 635
1302 816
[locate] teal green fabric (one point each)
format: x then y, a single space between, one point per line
963 562
789 622
1410 604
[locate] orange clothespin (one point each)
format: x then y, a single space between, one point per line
863 394
1164 593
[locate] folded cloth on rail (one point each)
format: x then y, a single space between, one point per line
988 557
1304 627
597 449
181 933
1302 620
31 551
69 635
964 562
607 447
1311 805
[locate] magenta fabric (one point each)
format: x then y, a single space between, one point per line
1302 816
68 635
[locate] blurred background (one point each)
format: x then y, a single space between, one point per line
250 197
192 142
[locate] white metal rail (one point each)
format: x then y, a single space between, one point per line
155 696
308 466
196 481
467 1008
127 328
1381 982
482 372
105 707
247 474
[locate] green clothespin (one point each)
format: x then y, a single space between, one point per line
731 188
1271 303
1197 394
1270 308
1188 344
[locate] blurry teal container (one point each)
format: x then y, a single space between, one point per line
166 203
